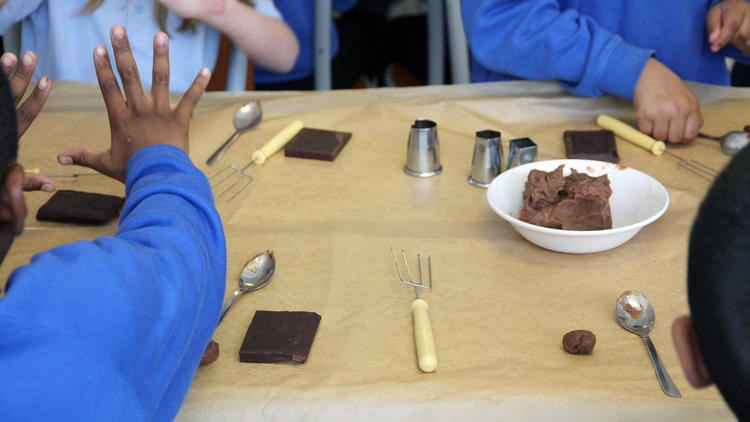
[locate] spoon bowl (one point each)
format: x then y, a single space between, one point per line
635 314
247 117
255 275
258 271
731 142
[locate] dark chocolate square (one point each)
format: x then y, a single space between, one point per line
747 128
591 145
279 337
318 144
70 206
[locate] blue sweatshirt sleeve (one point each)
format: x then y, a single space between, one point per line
538 40
114 328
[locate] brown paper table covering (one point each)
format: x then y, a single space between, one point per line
500 305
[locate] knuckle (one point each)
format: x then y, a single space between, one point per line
121 48
682 106
129 73
650 113
22 74
25 113
191 97
108 86
658 114
36 94
160 78
81 158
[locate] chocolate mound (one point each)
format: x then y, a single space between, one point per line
579 342
210 354
574 202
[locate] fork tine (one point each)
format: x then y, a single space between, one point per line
395 262
232 185
225 177
409 280
419 265
250 180
429 268
406 263
233 171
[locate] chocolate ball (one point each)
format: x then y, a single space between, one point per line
211 353
579 342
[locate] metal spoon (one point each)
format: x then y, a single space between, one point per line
635 314
731 142
256 274
246 118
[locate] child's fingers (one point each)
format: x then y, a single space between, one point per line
131 81
185 107
8 63
108 85
20 80
160 77
713 24
31 108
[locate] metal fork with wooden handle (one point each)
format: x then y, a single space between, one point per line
656 147
423 338
258 157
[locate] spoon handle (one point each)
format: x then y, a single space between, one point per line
228 304
222 149
713 138
661 372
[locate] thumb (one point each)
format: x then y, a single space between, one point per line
83 157
35 181
99 161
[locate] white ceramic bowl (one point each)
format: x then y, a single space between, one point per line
637 200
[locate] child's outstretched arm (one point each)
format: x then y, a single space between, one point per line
268 41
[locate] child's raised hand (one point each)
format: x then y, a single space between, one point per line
142 120
729 22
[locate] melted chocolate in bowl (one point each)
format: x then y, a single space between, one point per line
574 202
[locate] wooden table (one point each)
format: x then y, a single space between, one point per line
499 306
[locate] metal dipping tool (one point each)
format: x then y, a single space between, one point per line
258 157
423 337
639 138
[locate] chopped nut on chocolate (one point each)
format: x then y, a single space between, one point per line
579 342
